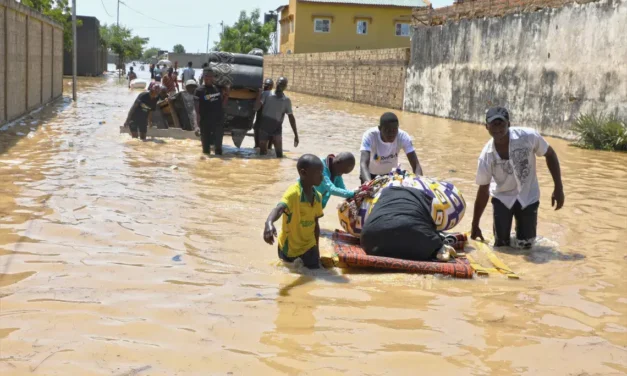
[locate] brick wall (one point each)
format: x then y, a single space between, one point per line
30 75
468 9
375 77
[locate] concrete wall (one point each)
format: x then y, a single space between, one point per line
375 77
30 75
90 54
546 65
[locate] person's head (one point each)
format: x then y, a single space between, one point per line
309 169
163 93
281 84
497 123
344 163
155 90
388 126
268 84
131 69
170 70
189 64
158 78
205 65
190 86
208 76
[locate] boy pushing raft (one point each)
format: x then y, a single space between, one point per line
300 207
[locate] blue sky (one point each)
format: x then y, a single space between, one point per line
157 20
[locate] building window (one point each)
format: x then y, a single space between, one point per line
362 27
402 29
322 25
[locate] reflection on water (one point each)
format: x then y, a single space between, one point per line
112 262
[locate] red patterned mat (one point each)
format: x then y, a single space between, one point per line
354 255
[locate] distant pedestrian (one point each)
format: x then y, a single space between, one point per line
188 73
268 85
152 71
210 112
170 82
275 106
131 76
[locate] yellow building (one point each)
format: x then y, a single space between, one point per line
340 25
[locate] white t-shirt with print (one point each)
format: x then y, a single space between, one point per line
514 179
384 155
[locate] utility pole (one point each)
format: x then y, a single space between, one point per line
118 13
208 30
74 50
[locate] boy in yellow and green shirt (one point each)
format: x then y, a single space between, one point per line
300 207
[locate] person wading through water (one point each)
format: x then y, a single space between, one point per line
141 112
275 106
268 85
210 103
507 172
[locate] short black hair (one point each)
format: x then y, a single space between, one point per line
307 161
345 157
205 65
189 64
388 118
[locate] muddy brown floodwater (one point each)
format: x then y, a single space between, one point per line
114 262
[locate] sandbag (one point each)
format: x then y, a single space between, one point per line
447 207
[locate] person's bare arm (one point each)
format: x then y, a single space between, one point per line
258 100
415 164
269 232
225 96
483 196
364 166
317 233
553 163
197 106
293 125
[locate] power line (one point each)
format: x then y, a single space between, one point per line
105 8
165 23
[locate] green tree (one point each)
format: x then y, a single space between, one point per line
179 49
59 11
120 41
247 33
151 53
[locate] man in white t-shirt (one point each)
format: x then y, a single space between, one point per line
507 172
380 147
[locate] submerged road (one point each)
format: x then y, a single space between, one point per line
119 257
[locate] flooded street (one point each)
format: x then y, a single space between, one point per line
119 257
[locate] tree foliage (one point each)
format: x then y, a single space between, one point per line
151 53
120 41
60 11
247 33
179 49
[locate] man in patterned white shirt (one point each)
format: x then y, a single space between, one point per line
507 172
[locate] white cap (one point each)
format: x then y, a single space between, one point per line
191 82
